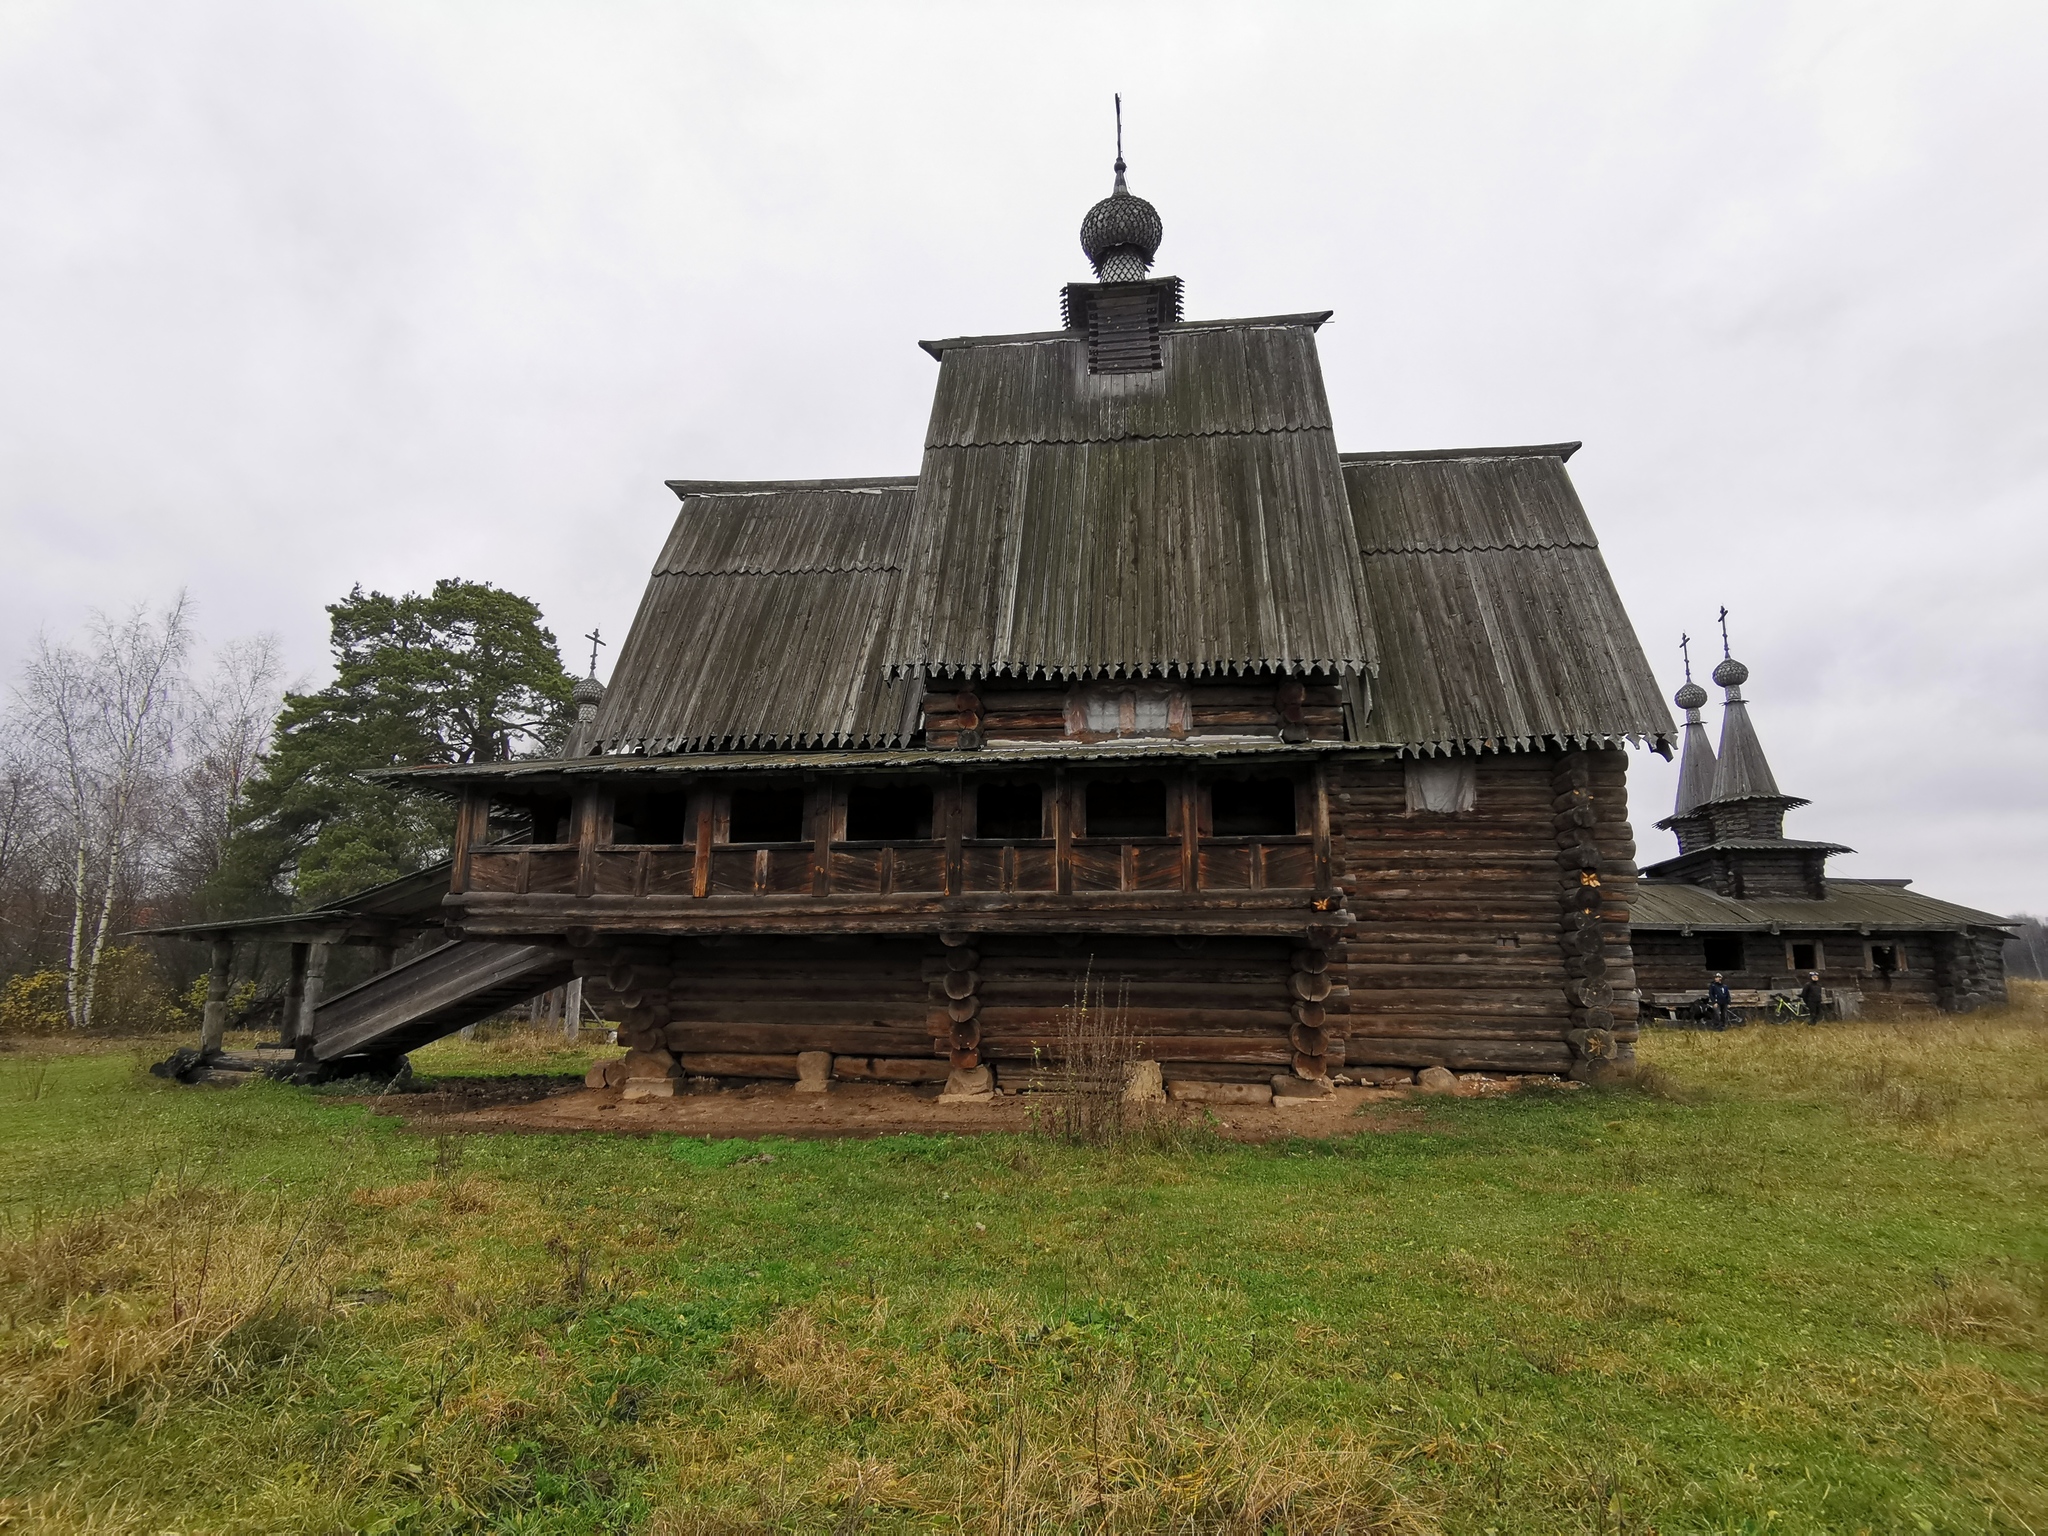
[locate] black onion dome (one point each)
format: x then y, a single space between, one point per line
1730 674
1121 222
588 690
1691 696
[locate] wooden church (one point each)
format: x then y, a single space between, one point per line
1313 762
1743 901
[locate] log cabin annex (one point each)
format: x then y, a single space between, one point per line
1317 758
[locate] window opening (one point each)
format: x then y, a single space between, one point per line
1884 959
767 816
1127 808
548 821
654 819
1805 957
1444 786
1009 813
1252 808
1723 951
888 813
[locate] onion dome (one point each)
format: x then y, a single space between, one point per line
1121 234
1730 674
588 692
1691 696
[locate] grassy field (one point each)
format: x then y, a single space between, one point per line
1797 1282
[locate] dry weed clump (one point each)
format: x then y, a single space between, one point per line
1979 1310
1023 1428
182 1290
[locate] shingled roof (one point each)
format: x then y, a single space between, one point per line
1499 626
762 623
1189 521
1851 904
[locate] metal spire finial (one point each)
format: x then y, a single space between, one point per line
1730 674
595 641
1120 142
1692 695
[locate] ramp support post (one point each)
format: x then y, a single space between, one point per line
213 1024
309 996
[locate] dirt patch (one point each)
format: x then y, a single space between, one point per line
854 1109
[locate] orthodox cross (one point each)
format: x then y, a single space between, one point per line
1119 125
1685 650
595 642
1724 632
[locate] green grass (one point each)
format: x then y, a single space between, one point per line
1799 1284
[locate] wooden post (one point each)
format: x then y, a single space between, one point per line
956 825
1062 835
309 1002
472 826
1190 798
590 824
1321 790
572 1010
700 868
213 1024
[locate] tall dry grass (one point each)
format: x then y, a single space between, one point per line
1094 1050
1022 1428
1960 1083
186 1289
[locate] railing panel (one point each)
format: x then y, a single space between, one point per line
495 869
551 871
788 872
919 869
617 871
732 870
1223 866
671 871
1290 866
1156 867
1035 868
1098 866
856 871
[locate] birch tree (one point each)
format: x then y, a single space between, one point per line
104 716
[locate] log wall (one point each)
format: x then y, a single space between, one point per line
1494 939
1458 956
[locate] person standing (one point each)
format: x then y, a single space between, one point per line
1813 997
1718 999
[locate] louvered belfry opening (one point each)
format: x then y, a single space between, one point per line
1122 321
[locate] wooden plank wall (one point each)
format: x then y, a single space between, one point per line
1671 962
995 709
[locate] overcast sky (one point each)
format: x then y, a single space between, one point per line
294 296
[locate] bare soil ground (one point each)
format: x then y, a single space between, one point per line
859 1110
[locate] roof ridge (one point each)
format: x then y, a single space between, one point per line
1127 437
1523 451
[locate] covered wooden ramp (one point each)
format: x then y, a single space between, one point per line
433 995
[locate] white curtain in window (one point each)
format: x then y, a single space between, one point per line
1443 785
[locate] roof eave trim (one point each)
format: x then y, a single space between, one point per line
685 489
1313 319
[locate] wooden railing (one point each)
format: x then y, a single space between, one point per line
872 868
